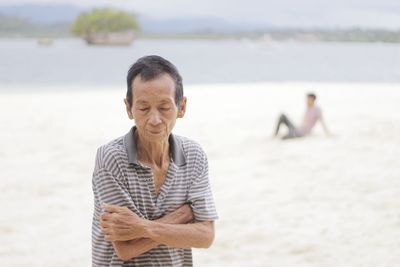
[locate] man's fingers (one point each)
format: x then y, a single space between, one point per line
112 234
106 231
111 208
109 238
105 216
105 224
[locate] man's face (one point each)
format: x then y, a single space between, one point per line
310 101
153 108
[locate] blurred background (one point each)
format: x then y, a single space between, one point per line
314 201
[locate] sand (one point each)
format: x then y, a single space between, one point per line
316 201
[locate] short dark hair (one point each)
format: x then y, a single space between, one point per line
312 95
149 68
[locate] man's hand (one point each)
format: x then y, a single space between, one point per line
127 250
131 235
120 223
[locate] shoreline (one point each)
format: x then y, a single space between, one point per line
350 35
49 88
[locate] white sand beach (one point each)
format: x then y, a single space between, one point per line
313 202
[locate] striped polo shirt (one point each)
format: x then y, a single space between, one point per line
120 179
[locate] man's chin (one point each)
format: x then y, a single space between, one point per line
155 136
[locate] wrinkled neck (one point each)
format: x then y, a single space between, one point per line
152 153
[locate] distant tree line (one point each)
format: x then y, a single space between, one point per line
13 26
334 35
109 20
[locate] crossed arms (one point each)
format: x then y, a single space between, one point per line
128 229
132 236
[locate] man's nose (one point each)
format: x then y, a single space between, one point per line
155 118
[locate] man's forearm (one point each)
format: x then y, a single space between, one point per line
200 234
127 250
181 215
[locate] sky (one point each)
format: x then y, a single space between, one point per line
280 13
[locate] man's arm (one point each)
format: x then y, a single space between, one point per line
127 250
327 132
119 223
322 121
198 235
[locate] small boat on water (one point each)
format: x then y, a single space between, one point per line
112 38
45 41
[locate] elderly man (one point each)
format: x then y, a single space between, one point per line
152 196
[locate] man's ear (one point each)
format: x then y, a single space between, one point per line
182 107
128 109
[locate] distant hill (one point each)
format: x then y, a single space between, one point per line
191 25
48 14
56 14
34 20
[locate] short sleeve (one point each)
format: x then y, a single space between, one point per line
106 187
200 195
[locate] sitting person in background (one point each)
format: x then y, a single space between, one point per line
312 115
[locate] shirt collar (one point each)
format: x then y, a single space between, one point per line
175 148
